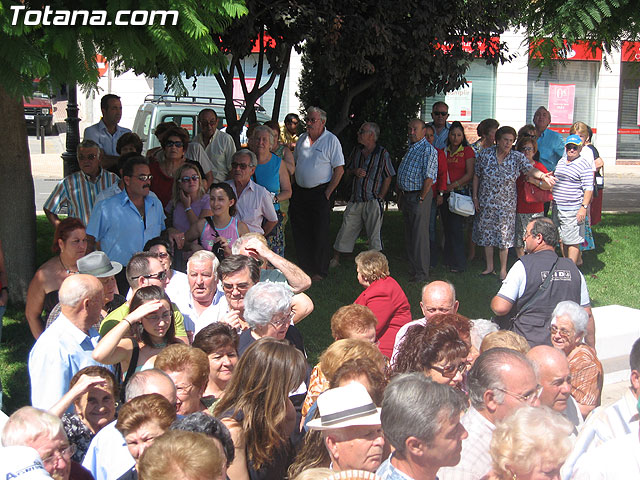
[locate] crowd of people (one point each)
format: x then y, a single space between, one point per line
165 325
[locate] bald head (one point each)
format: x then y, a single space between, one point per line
81 297
552 368
438 297
151 381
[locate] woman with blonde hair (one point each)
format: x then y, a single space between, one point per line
257 410
384 296
531 444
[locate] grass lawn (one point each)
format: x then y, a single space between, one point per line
612 273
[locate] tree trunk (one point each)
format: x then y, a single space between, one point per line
277 101
17 201
343 118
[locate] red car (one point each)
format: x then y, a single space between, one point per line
40 105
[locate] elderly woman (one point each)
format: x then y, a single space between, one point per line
354 321
384 296
267 311
494 196
220 342
141 421
572 194
255 204
92 392
174 145
69 245
531 444
486 131
435 350
526 211
271 172
257 410
568 328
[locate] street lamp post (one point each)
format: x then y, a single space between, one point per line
69 157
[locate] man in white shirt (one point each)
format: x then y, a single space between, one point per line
107 131
218 145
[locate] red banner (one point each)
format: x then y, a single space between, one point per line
576 51
631 51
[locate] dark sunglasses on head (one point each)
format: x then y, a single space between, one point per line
171 143
241 166
193 177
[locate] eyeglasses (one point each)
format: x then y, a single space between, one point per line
213 123
241 166
242 287
160 275
563 332
65 453
162 254
443 114
450 371
527 149
193 178
143 177
529 398
171 143
91 156
571 147
282 322
311 121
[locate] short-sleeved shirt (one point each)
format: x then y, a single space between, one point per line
220 150
523 206
572 180
254 205
550 148
378 167
122 311
121 230
419 163
457 162
440 139
316 161
79 193
99 134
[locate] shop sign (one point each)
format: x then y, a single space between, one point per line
631 51
582 51
459 102
561 98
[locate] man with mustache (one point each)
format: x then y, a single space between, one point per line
121 225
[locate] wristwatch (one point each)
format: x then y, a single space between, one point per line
585 206
441 194
420 199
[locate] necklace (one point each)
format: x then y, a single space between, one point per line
68 271
159 345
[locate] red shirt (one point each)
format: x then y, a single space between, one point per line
161 185
457 162
524 207
390 305
440 185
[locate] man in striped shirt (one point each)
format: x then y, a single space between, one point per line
79 190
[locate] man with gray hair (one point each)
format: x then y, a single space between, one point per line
66 346
500 381
319 168
372 170
108 457
421 421
218 145
522 301
79 190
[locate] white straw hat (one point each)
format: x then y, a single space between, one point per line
345 406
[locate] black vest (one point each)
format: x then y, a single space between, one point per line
534 323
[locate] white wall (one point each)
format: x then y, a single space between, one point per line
511 83
607 105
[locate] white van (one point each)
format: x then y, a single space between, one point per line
183 111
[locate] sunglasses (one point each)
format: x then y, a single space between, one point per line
159 276
527 149
443 114
171 143
193 178
143 177
450 371
241 166
571 147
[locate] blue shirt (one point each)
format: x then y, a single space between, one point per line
99 134
119 227
440 139
386 471
419 163
108 457
60 352
551 148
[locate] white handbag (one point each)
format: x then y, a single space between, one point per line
461 204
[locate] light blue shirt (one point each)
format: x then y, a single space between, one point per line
60 352
386 471
119 227
420 162
108 457
99 134
551 148
440 139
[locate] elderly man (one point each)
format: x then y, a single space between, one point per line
521 297
437 297
607 423
42 431
107 131
372 170
552 367
319 168
439 188
416 173
350 426
439 115
122 224
201 307
66 346
79 190
108 457
143 269
421 421
500 382
550 143
188 367
255 204
219 146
